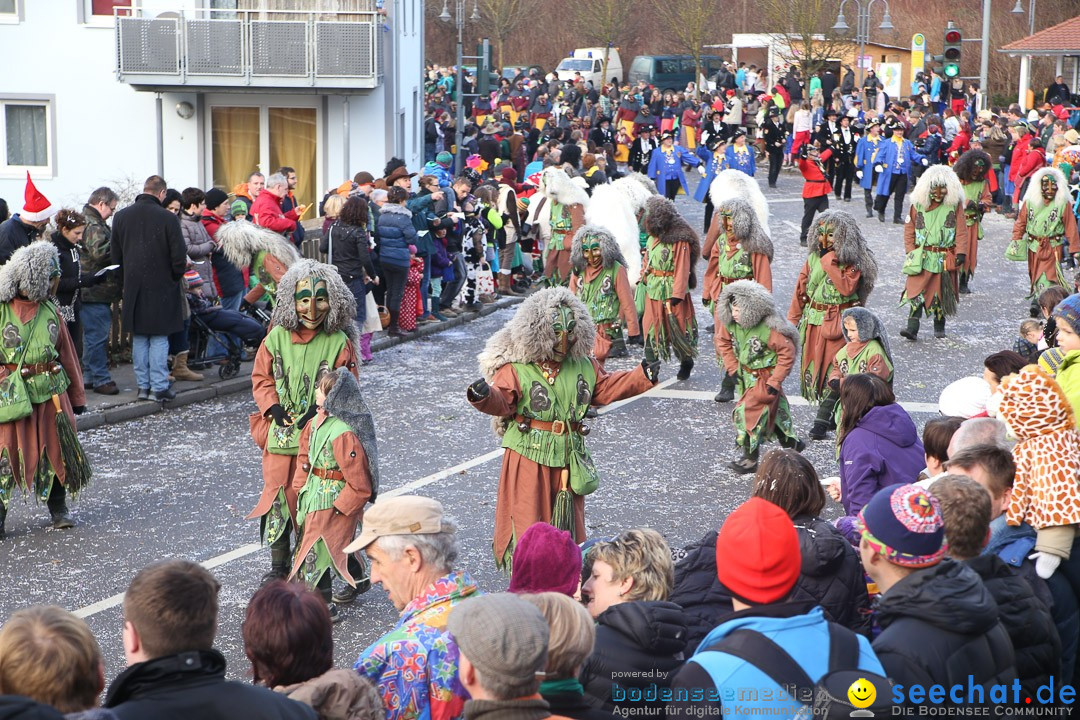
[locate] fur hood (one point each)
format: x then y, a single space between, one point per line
1033 404
934 176
395 209
345 402
850 247
342 313
609 249
241 241
965 165
611 208
870 328
747 228
1033 197
638 188
664 223
756 306
561 188
733 183
29 271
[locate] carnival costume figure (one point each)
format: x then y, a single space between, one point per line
566 214
266 253
600 281
973 169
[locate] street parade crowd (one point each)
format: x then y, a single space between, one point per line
949 567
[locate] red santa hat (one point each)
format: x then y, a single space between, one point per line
36 207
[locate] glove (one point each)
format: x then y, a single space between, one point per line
306 417
701 170
651 369
925 162
478 390
961 258
78 409
834 385
771 390
675 301
280 415
858 174
878 168
1045 564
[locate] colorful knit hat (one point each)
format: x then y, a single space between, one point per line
903 523
238 206
192 279
444 158
757 552
1069 311
546 559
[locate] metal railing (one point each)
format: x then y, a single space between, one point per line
236 48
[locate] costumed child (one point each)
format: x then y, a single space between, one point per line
973 169
1066 316
738 249
1045 227
1046 489
936 241
264 252
538 381
338 475
669 323
410 298
756 345
600 281
839 273
866 351
41 388
313 333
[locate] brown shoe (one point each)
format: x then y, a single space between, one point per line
180 369
108 388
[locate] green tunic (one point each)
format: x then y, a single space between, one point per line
755 419
601 299
973 193
319 494
262 277
858 364
935 235
815 358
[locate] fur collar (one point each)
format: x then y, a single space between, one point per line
28 271
342 315
663 222
746 226
345 402
609 249
756 306
850 247
241 241
937 175
395 209
561 188
733 183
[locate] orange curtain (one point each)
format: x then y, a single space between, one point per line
292 143
235 139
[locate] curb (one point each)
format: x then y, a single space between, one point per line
138 409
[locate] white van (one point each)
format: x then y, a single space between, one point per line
590 63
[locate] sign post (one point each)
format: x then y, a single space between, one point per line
918 54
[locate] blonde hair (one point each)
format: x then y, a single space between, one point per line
332 206
49 655
571 636
641 554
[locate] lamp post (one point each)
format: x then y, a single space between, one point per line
862 26
459 80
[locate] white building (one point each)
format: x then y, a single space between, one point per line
205 91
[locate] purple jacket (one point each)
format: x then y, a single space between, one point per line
884 449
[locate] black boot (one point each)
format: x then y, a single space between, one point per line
824 418
964 289
1035 311
618 348
792 443
684 369
727 389
881 216
280 559
819 430
939 327
911 332
869 203
3 517
58 509
746 464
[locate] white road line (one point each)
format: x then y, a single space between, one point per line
245 550
785 200
657 392
792 225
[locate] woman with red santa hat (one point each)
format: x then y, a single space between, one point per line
26 226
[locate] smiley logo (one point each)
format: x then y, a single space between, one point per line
862 693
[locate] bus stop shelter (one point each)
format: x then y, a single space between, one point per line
1061 42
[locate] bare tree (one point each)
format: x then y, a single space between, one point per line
690 23
605 22
502 18
801 30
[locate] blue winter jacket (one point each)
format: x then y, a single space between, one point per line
661 170
443 174
712 169
883 449
804 636
394 234
894 160
865 160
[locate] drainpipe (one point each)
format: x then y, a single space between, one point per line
160 137
345 136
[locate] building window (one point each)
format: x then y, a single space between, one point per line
105 7
27 134
11 11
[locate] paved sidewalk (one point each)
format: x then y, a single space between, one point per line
106 409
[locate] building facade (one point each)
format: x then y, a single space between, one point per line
206 91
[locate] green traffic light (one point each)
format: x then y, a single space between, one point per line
952 70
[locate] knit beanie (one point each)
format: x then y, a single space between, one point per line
1069 311
237 207
215 197
444 158
903 523
757 553
192 279
546 559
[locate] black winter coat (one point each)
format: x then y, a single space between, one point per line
574 706
940 625
16 707
15 234
644 642
192 685
703 598
1026 618
149 247
352 251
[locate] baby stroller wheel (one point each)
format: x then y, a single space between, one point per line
230 369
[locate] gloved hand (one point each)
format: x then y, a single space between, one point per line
651 369
78 409
675 301
280 415
858 174
701 170
307 416
771 390
834 385
878 168
961 259
1045 564
478 390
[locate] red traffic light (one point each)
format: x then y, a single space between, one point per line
952 36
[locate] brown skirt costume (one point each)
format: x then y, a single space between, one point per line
757 399
929 283
973 245
527 490
627 310
713 284
557 257
1044 261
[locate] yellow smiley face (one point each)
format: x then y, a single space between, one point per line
862 693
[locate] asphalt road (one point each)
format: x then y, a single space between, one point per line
178 484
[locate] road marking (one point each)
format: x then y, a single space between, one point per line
793 226
245 550
657 392
785 200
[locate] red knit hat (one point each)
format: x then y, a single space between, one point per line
36 207
546 559
757 552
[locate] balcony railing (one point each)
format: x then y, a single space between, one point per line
253 49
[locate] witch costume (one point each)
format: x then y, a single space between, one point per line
566 214
313 333
266 253
1043 230
601 282
973 169
538 381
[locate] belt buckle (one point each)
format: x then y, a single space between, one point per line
558 427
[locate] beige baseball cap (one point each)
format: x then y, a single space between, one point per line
402 515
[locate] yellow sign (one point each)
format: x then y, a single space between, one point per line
918 53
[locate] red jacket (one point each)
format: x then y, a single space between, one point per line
267 212
212 222
816 183
1033 160
1019 150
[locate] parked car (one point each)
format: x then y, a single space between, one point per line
512 71
670 72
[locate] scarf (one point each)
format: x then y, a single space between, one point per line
566 686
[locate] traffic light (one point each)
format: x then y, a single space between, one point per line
951 56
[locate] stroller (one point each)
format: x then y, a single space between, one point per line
199 337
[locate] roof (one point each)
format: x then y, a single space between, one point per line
1060 39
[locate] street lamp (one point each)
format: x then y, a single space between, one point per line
862 25
459 83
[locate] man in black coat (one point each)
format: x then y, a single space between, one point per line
828 84
173 672
939 623
774 137
641 149
149 247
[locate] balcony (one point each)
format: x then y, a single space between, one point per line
249 50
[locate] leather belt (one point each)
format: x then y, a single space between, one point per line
559 427
35 368
662 273
841 307
324 473
728 280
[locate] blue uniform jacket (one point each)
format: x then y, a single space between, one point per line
664 167
864 160
894 160
712 169
743 162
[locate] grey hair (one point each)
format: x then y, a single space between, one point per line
440 550
378 195
29 272
979 431
276 180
